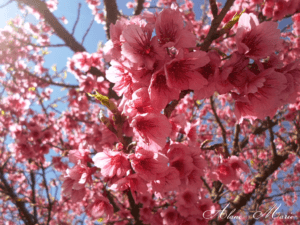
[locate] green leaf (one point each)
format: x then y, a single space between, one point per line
233 21
105 101
100 220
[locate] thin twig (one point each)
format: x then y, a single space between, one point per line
6 4
112 14
50 203
32 177
212 34
171 106
134 208
243 198
206 184
77 19
274 153
60 31
20 204
236 139
226 153
111 200
286 27
52 82
88 30
42 104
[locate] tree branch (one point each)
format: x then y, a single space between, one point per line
112 14
111 200
256 203
213 8
50 203
32 177
60 31
6 4
139 8
25 215
273 147
134 208
52 82
214 26
226 153
236 148
171 106
242 199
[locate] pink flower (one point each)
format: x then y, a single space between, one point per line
159 92
112 48
87 83
148 164
186 202
64 20
234 185
183 164
82 61
140 103
170 216
130 5
234 70
170 30
211 73
75 180
206 207
181 72
99 207
238 165
133 181
248 187
139 47
75 194
193 180
169 181
153 129
121 76
290 93
226 173
112 163
187 198
146 215
262 95
256 40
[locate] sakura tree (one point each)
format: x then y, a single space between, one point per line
174 120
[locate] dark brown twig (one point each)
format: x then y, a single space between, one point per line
50 203
134 209
6 4
236 148
77 19
60 31
273 147
226 153
171 106
112 14
25 214
242 199
87 31
139 8
214 8
212 34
